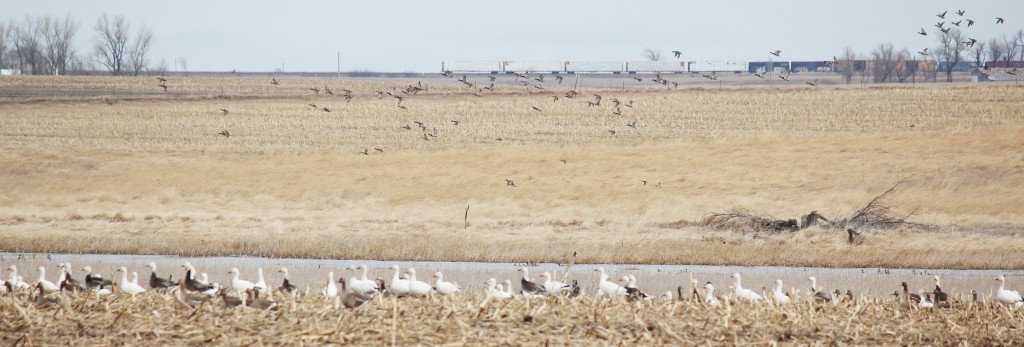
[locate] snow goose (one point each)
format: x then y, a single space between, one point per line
156 282
331 290
819 295
95 280
261 283
780 297
529 287
507 288
69 282
203 279
14 281
417 288
940 296
604 286
190 279
286 287
43 283
916 298
925 302
1009 297
744 293
399 286
238 284
494 290
361 285
353 299
553 287
126 285
446 288
631 291
667 296
709 295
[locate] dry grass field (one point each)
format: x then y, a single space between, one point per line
160 319
115 165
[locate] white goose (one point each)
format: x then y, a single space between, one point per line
744 293
15 281
361 285
606 287
709 295
46 285
445 288
508 287
925 302
780 297
203 279
399 286
331 290
261 283
1009 297
126 285
494 290
417 288
553 287
238 284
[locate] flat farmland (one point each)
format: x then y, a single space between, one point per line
115 165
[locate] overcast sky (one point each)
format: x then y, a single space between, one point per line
407 35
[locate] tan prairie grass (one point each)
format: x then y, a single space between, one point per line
159 319
152 176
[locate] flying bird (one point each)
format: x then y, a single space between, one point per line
225 111
999 20
923 52
274 81
760 74
365 151
677 54
940 25
713 76
632 124
161 79
325 109
957 23
785 77
922 32
536 109
970 42
164 86
813 84
225 133
942 15
961 12
970 22
776 52
559 78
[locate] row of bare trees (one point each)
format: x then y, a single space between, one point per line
44 45
886 64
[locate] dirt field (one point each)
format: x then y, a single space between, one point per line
114 165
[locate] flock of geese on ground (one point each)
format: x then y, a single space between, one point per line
195 288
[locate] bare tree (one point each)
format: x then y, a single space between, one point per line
1011 46
905 65
1018 38
652 55
58 33
112 44
26 40
979 53
950 49
139 50
183 63
996 49
846 64
885 62
3 44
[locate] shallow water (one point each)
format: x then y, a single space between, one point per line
654 279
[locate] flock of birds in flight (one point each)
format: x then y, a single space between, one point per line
969 42
195 288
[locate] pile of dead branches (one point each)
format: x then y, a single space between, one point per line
742 218
877 214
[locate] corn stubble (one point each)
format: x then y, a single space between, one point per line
153 319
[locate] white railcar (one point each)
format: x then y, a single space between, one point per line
656 66
481 66
718 66
595 66
544 66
